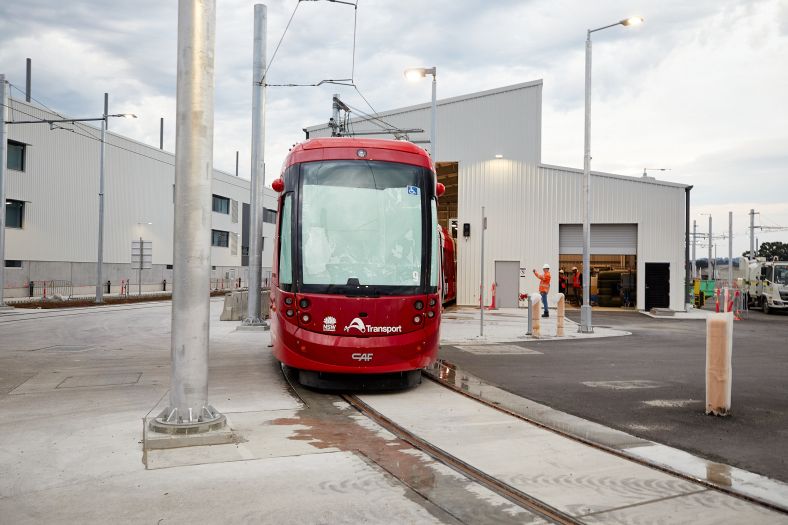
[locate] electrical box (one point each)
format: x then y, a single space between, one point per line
466 229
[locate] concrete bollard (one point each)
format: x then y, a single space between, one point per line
536 330
559 313
719 373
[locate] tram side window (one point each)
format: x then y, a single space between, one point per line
436 246
285 243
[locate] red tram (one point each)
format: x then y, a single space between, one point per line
356 281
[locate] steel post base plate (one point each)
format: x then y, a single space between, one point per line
170 422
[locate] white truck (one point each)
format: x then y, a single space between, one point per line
764 283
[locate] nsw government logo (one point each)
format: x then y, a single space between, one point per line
359 325
329 324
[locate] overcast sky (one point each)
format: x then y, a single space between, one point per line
701 87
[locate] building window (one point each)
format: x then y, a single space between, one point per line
220 238
221 204
14 213
269 216
13 264
16 156
169 267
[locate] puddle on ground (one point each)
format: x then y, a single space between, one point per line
328 424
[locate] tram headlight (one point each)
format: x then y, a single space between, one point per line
433 302
430 314
290 312
303 303
288 301
305 318
416 319
419 305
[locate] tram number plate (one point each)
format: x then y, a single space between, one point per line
362 357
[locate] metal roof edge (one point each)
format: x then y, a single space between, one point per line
627 178
441 102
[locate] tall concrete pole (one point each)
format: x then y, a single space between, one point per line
752 235
161 133
3 165
28 80
102 163
585 310
730 249
189 406
258 167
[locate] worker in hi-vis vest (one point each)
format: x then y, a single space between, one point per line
544 286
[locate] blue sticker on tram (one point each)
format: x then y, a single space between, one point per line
413 190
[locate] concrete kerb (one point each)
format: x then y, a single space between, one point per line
460 325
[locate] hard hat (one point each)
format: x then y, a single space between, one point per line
561 270
545 266
574 268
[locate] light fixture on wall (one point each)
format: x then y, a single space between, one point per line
498 156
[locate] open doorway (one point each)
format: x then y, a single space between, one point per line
613 282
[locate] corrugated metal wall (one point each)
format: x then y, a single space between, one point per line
525 204
60 188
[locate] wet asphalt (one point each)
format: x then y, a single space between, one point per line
668 357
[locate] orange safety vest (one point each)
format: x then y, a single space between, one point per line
576 280
544 281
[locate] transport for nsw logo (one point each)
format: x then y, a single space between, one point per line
359 325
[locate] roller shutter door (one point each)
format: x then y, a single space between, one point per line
607 239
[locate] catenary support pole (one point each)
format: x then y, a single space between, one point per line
161 133
730 249
481 286
189 410
752 235
3 166
711 266
237 153
586 325
694 243
102 167
258 168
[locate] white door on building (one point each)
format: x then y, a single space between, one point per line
507 283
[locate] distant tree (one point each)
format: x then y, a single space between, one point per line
770 250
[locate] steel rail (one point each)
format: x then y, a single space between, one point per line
610 450
504 490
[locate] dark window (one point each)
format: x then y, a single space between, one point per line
169 267
262 244
269 216
220 238
13 264
14 213
16 156
221 204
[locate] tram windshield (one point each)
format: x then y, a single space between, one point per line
362 226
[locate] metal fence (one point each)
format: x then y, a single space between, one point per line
47 289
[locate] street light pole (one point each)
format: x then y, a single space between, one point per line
415 73
3 164
100 258
585 310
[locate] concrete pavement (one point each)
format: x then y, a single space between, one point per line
75 386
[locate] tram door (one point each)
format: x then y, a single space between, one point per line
507 283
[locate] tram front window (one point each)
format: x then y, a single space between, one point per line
361 225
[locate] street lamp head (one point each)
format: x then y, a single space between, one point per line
632 21
130 115
415 73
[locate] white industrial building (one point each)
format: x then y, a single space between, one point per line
52 186
489 155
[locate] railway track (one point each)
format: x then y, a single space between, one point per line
504 490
